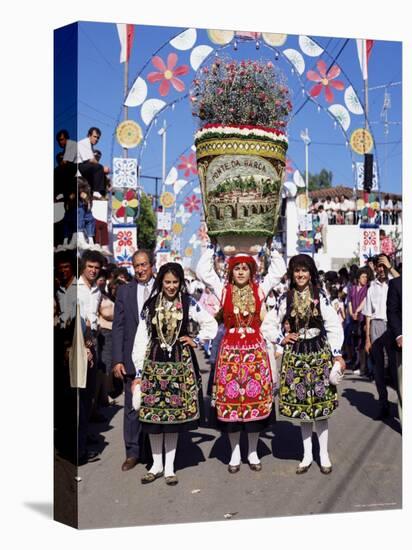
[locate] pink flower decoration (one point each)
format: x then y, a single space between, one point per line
254 413
253 388
325 80
202 234
232 389
188 164
233 415
168 73
192 204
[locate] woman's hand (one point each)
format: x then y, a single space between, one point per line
291 337
187 341
368 345
339 359
134 383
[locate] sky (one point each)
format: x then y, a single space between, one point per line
101 93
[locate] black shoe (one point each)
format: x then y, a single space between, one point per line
326 469
233 469
303 469
89 456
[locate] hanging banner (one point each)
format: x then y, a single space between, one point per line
305 222
360 170
368 244
124 173
164 221
124 245
162 258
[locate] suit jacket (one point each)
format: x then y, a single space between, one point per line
125 321
394 307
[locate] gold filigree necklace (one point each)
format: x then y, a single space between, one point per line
168 319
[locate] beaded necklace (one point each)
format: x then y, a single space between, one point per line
168 319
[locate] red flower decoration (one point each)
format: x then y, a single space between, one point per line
325 80
202 234
168 74
124 238
289 166
192 204
188 164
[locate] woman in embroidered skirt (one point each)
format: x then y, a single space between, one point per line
312 356
243 390
166 367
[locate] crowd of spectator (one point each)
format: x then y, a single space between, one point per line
345 210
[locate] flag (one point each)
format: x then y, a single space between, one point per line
126 33
364 51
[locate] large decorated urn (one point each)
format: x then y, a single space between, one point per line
241 150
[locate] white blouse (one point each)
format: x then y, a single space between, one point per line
272 324
207 325
206 273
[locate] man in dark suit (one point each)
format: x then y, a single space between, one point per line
394 315
128 306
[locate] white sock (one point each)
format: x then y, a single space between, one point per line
170 452
253 439
156 444
234 438
321 427
306 428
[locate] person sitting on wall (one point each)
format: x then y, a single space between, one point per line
65 171
89 167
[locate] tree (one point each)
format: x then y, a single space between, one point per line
323 180
146 224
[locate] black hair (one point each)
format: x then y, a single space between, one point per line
343 272
149 253
170 267
328 198
117 271
64 257
94 129
63 133
307 262
363 271
90 256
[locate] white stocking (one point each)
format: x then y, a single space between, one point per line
156 444
234 438
253 439
306 428
321 427
170 452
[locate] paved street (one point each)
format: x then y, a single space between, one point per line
366 456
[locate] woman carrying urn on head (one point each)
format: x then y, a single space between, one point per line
166 367
312 361
243 390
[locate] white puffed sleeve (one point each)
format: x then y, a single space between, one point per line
333 325
141 341
277 269
272 323
207 324
206 273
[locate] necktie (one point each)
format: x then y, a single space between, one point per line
145 292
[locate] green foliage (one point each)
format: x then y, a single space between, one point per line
146 224
323 180
244 185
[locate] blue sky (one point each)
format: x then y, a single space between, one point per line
100 95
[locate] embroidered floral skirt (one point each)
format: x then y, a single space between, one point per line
305 391
242 389
171 391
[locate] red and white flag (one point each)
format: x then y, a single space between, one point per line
364 52
126 33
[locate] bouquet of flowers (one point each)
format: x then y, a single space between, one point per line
248 93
